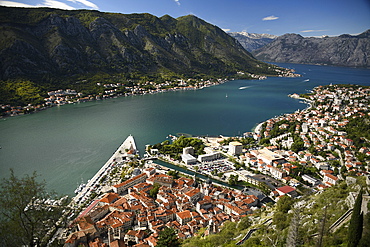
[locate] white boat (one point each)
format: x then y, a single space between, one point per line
80 188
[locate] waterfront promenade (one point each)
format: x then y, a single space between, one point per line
127 148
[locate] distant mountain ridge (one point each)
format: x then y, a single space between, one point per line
49 43
344 50
252 41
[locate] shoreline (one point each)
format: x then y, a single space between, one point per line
308 102
135 90
120 153
257 129
19 110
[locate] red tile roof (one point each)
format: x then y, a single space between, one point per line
286 189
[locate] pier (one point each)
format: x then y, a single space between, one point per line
127 149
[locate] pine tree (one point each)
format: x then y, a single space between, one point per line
365 240
293 238
355 226
322 228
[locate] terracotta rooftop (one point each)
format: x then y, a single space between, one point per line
286 189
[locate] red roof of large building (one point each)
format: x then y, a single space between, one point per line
286 189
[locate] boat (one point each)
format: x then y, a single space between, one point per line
226 95
80 188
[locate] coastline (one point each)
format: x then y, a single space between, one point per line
81 196
117 157
51 102
308 102
62 97
305 100
258 128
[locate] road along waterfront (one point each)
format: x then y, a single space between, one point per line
127 148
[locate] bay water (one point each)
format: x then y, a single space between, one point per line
68 144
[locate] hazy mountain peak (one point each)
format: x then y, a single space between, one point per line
252 41
255 35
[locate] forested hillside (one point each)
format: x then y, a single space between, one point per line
77 49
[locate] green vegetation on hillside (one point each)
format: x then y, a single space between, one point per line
358 130
20 93
304 221
57 48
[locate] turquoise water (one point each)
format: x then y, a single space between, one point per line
69 143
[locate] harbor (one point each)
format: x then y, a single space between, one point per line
126 149
125 184
86 193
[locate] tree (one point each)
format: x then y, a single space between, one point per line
233 179
168 237
365 240
174 174
244 223
322 228
280 219
293 238
284 204
356 223
26 218
153 192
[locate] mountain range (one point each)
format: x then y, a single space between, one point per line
49 44
344 50
252 41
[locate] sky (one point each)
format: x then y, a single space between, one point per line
277 17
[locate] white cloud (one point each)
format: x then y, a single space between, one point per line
50 4
226 29
45 3
55 4
178 2
15 4
311 31
86 3
270 18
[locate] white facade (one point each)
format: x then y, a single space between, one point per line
310 179
209 157
188 159
235 148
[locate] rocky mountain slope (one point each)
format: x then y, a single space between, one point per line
252 41
44 43
344 50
